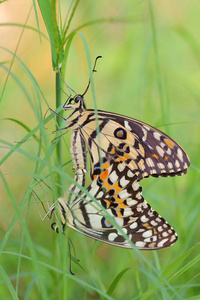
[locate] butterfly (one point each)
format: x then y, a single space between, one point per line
126 150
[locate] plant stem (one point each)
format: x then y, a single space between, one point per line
59 144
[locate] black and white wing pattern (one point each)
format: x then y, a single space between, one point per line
145 150
117 190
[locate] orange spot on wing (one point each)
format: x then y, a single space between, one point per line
119 134
107 223
106 185
155 231
166 158
107 202
122 205
119 213
112 150
116 187
170 143
106 165
155 156
104 175
125 157
148 226
118 200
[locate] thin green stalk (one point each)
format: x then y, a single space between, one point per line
8 284
69 22
89 23
157 62
90 270
21 250
33 254
13 58
59 144
54 21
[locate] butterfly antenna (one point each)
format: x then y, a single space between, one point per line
68 87
92 72
64 92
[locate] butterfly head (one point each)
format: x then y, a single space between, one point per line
77 103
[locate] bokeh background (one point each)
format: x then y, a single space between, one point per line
150 71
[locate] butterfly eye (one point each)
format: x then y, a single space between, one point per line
77 99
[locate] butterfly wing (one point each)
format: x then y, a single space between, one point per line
118 191
145 150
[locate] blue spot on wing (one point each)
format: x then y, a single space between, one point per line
107 223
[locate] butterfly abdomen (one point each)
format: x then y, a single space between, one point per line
78 152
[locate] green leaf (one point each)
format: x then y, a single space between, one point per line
169 273
22 125
116 281
49 17
8 283
186 267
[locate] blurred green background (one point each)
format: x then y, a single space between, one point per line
150 71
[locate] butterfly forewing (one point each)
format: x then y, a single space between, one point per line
144 149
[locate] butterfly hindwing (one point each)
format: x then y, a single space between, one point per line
122 199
